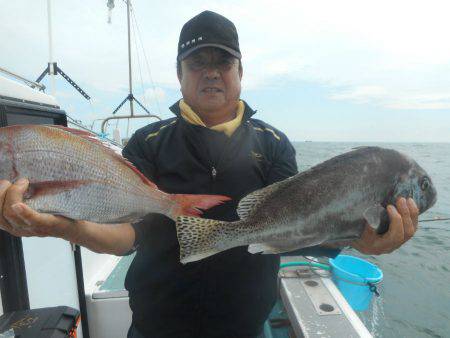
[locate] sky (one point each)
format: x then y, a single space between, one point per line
361 71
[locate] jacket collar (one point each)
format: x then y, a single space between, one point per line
248 111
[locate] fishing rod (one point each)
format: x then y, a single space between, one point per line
434 219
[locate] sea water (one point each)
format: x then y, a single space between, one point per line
415 293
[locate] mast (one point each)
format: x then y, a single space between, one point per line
50 49
129 57
52 68
130 97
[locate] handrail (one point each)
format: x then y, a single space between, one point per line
79 125
28 82
126 117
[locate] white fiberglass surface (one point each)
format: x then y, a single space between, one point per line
50 269
17 90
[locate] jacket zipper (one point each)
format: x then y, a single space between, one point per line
216 166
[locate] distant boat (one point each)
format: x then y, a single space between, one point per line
308 141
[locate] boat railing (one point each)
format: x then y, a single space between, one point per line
30 83
121 117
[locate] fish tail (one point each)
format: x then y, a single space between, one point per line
200 238
193 205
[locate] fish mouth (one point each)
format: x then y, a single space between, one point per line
434 200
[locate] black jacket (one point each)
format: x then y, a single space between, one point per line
229 294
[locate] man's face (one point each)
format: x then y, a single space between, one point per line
211 81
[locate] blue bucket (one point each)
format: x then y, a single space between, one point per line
356 279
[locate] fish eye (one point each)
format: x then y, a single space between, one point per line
425 183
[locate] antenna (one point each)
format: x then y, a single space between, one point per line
130 97
110 6
52 68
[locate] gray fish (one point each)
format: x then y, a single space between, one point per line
330 202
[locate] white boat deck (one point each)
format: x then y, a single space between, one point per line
314 305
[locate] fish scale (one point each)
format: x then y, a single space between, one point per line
72 173
330 202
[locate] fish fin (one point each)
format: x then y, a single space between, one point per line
87 135
200 238
114 151
42 188
261 247
360 147
52 212
193 205
197 257
56 213
344 240
280 247
250 202
79 132
377 217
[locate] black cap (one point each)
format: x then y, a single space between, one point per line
208 29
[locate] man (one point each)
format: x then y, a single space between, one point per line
212 146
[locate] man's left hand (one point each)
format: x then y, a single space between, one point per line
404 219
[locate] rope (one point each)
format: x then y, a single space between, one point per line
146 60
78 123
93 109
139 61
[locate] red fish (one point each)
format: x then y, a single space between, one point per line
75 175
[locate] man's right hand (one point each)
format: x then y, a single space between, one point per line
20 220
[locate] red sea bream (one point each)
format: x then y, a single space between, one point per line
75 175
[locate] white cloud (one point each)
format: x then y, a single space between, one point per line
361 94
155 94
379 52
383 52
422 102
393 98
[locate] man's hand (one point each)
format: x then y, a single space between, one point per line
20 220
404 220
